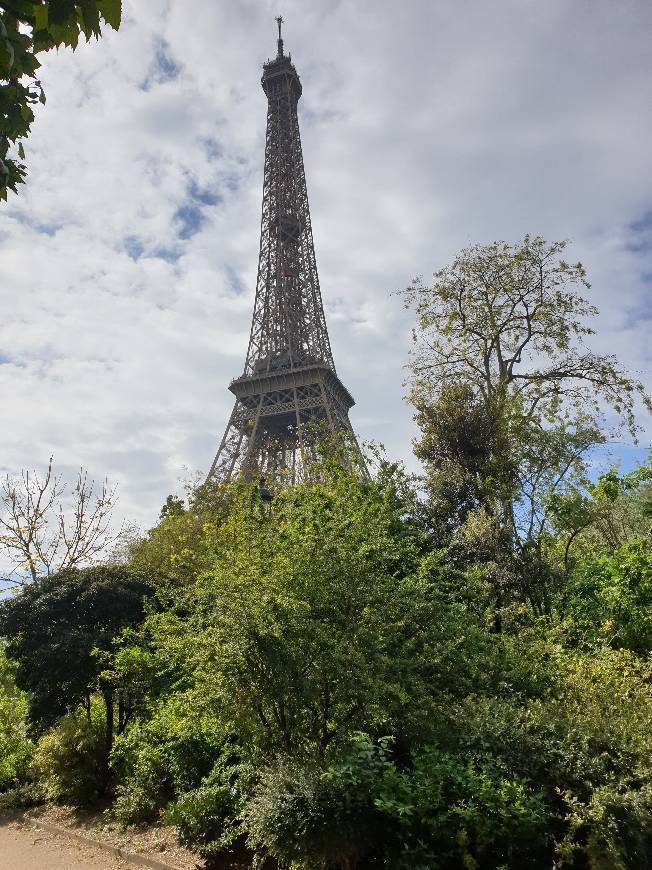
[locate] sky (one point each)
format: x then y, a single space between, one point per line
127 262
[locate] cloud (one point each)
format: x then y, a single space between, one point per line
128 264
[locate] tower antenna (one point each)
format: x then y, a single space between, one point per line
279 21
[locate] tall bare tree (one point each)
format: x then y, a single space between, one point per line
47 525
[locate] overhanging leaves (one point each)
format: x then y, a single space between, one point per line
28 27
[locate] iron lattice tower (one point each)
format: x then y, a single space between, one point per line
289 394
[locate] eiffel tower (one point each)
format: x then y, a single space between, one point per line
289 397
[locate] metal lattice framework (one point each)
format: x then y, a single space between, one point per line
289 394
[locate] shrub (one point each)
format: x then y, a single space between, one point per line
15 747
310 818
586 744
166 756
69 758
29 794
451 812
208 818
610 598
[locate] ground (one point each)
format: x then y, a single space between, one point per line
27 842
23 847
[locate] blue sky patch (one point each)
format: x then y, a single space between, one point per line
642 225
203 194
133 247
234 282
641 231
45 229
167 254
163 67
189 220
212 148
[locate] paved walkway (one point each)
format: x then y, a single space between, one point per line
26 848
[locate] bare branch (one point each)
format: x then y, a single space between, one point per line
45 527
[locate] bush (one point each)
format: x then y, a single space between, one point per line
208 818
609 598
587 745
69 760
21 797
15 755
162 759
451 812
310 818
15 747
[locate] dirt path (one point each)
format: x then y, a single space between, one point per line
25 848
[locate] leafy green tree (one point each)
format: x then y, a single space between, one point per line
53 628
313 622
508 321
179 547
602 517
27 28
509 397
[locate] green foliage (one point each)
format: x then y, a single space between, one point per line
508 319
582 737
603 516
28 27
167 755
310 818
459 432
180 546
609 598
454 812
21 797
208 818
509 400
311 626
53 627
69 758
15 746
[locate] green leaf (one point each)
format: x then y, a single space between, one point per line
89 17
41 17
111 12
21 151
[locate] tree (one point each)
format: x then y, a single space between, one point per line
53 629
27 28
500 355
312 622
180 546
44 530
602 517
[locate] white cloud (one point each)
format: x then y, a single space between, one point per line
127 264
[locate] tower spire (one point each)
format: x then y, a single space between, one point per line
289 397
279 21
